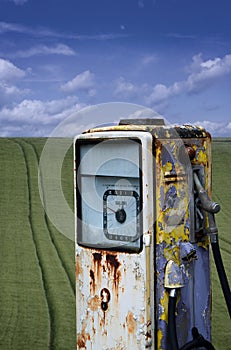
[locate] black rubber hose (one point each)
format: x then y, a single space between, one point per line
172 336
198 342
222 275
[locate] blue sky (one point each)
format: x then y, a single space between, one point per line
58 56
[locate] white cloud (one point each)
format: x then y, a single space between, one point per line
209 72
59 49
210 63
35 117
83 81
161 92
8 91
46 32
216 129
202 75
39 112
124 88
8 27
9 72
198 63
229 126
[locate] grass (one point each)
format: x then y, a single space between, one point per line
37 284
37 308
221 323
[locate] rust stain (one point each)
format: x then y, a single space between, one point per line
96 274
112 260
94 303
131 323
92 282
82 338
78 268
113 266
142 320
81 342
97 257
93 328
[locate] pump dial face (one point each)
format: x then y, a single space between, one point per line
121 214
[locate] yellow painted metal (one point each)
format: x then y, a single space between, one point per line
126 282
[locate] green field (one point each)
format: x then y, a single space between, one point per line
37 270
37 284
222 193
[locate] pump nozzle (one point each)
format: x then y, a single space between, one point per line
206 203
173 281
173 276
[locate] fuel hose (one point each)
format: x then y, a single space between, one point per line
172 335
198 340
213 208
221 271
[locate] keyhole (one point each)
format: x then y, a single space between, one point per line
105 298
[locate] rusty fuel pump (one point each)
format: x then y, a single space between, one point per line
143 226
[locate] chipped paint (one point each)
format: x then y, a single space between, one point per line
201 157
115 307
174 276
174 226
119 294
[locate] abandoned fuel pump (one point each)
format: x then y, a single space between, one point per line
142 257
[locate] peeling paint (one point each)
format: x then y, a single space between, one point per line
82 337
117 301
120 297
167 168
174 226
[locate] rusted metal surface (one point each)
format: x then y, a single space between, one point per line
120 294
175 227
159 132
115 298
111 300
